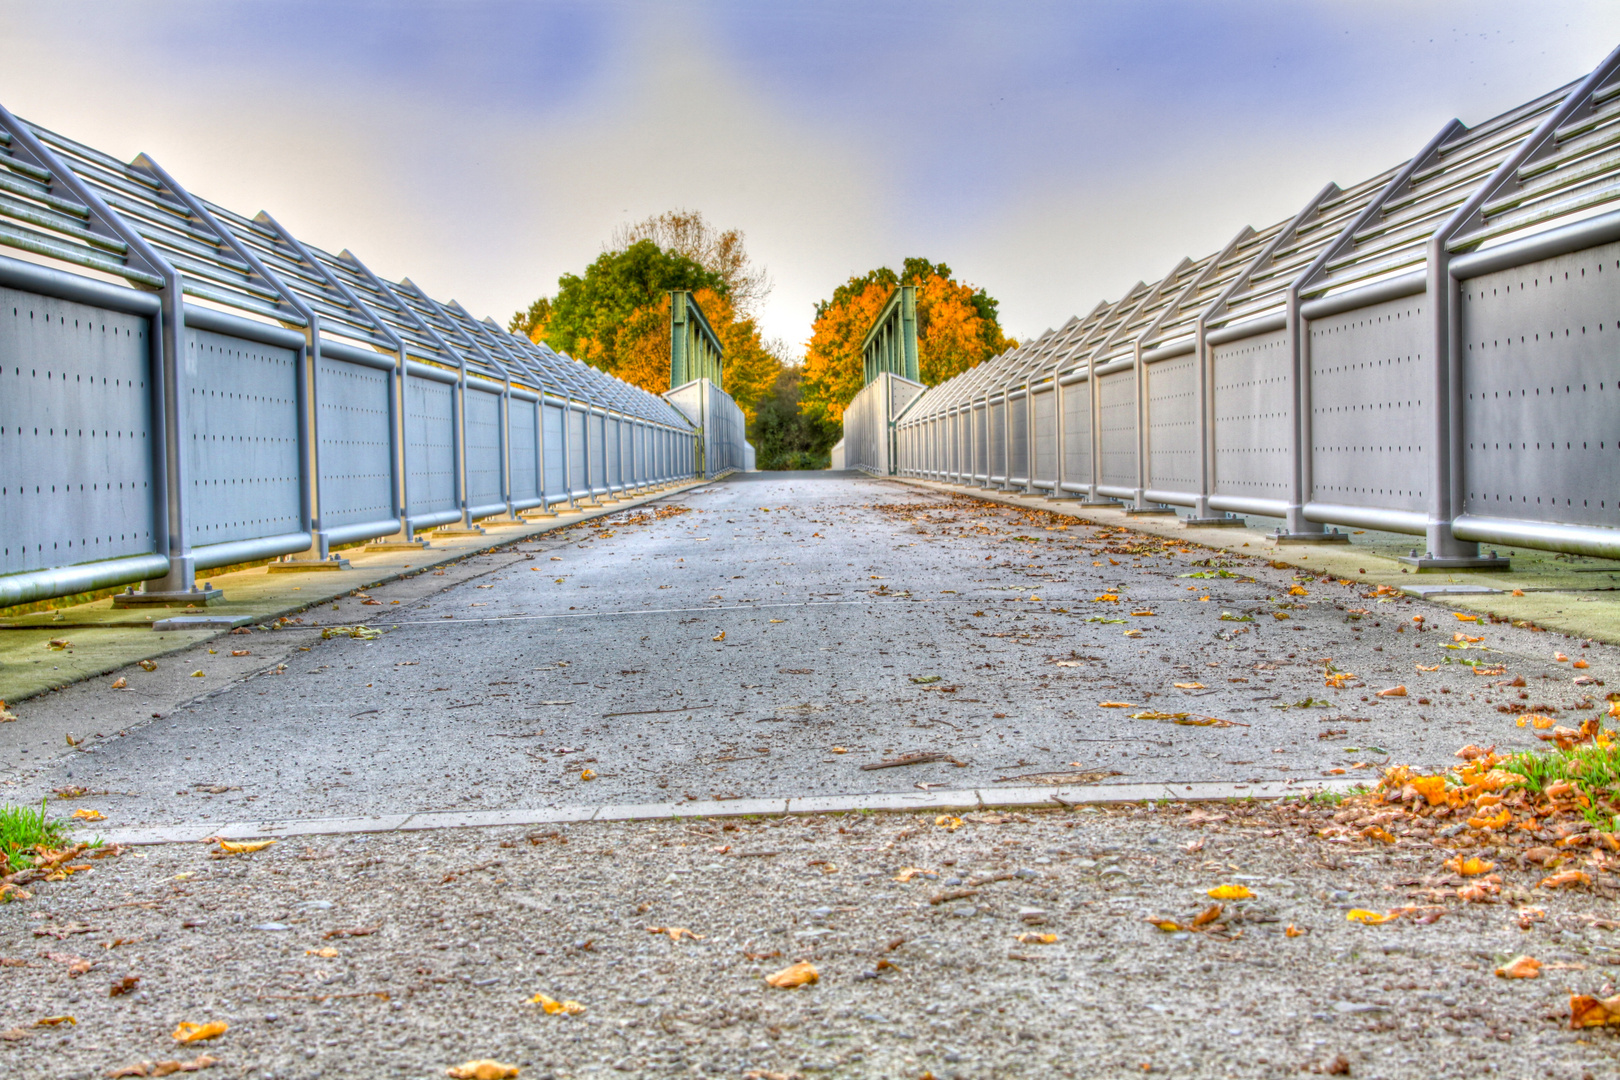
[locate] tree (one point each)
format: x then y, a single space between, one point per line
684 232
957 328
784 435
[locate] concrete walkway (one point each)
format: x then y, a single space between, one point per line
791 636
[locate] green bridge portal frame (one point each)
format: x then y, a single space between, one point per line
891 345
694 350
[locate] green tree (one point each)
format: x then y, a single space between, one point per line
784 435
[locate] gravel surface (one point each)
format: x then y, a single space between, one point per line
782 633
402 955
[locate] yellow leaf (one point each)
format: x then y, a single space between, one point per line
58 644
1143 613
1279 615
1189 686
120 683
1208 915
588 774
1231 892
909 872
1115 705
1460 636
1465 618
1036 939
948 823
88 815
840 750
1339 678
326 953
1523 967
1368 918
778 620
55 1021
188 1032
1432 788
553 1007
1169 926
721 636
197 675
1133 633
148 665
244 847
1494 821
800 974
1471 866
482 1070
1298 590
1292 931
1427 667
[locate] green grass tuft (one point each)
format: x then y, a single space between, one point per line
1594 770
21 830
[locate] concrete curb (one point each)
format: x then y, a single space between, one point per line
961 800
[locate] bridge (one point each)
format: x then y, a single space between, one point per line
515 662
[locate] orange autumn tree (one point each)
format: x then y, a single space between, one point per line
957 328
749 364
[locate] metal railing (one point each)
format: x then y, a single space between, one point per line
1431 352
205 389
891 343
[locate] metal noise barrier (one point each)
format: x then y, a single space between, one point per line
184 388
1430 351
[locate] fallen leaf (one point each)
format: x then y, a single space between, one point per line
1298 590
1208 915
1564 880
483 1070
1231 892
123 986
1369 918
800 974
241 652
197 675
188 1032
1560 657
1115 705
553 1007
675 932
1189 686
326 953
1427 667
721 636
588 774
58 644
1523 967
840 750
1465 618
1470 866
358 931
909 872
55 1021
1494 821
1580 664
1393 691
923 680
148 665
242 847
948 823
1292 931
1587 1012
1036 939
120 683
87 815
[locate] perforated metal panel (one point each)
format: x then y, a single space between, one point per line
1541 404
430 445
523 421
1117 392
1172 389
483 447
1046 437
1253 388
75 441
1077 433
615 452
1018 440
576 452
356 466
555 479
981 443
596 426
241 438
1372 399
998 442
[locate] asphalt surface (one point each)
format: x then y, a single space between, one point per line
404 955
783 631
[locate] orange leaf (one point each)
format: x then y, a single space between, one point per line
1470 866
188 1032
1393 691
1566 879
484 1069
1524 967
800 974
1585 1012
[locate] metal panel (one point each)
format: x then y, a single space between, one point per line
596 426
576 453
75 443
1253 386
981 444
555 480
1045 404
998 442
1541 404
483 447
1372 407
1117 393
1077 435
430 445
1018 440
1172 393
356 462
241 438
614 440
523 421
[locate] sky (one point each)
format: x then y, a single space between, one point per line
1051 153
